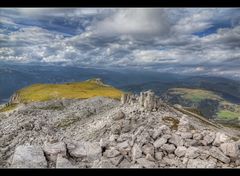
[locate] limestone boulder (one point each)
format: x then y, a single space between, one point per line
170 148
184 124
111 153
220 138
216 153
28 157
192 152
180 151
230 149
148 149
159 142
176 140
83 149
208 138
118 116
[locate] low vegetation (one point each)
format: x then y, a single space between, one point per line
226 114
76 90
225 110
8 107
52 107
195 95
173 122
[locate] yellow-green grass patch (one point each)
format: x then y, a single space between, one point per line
76 90
226 114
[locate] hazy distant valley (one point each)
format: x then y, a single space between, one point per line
15 77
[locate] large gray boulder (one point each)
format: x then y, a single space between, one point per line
28 157
111 153
170 148
192 152
176 140
230 149
118 116
220 138
77 149
184 124
148 149
159 142
208 138
216 153
83 149
180 151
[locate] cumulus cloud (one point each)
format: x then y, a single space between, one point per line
134 22
164 39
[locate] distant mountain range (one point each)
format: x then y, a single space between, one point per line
15 77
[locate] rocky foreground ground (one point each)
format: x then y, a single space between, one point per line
138 132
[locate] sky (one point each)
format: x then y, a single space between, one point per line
178 40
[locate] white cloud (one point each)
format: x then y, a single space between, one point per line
135 22
147 38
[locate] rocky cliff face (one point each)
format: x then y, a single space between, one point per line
141 131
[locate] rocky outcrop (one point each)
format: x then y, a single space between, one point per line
14 99
147 99
128 98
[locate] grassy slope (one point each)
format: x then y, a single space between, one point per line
197 95
226 114
76 90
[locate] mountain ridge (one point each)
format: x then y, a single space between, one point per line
16 77
140 131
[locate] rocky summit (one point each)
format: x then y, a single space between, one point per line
140 131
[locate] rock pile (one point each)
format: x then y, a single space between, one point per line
144 147
135 134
